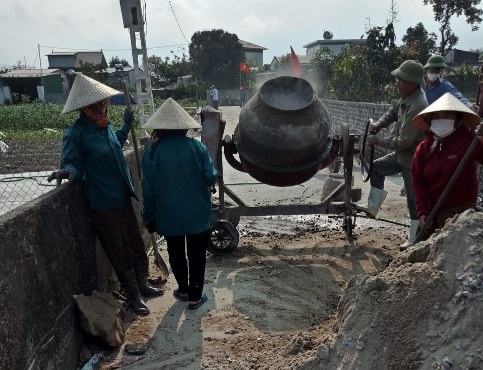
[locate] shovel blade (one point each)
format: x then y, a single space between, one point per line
158 259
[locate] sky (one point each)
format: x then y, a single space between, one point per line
30 28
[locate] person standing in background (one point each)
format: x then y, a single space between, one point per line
214 96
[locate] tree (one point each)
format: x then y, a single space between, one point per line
418 43
382 57
323 65
444 10
164 71
115 60
92 70
479 51
215 56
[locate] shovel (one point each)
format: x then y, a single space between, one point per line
159 260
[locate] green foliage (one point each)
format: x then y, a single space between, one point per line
115 60
323 64
463 72
91 70
363 72
444 10
215 56
166 71
351 74
418 44
37 119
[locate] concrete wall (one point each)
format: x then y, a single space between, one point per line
48 254
356 115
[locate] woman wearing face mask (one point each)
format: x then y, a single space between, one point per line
449 127
436 86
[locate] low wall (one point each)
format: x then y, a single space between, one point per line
49 253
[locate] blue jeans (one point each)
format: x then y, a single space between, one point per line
388 166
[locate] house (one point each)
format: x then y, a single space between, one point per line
333 45
253 53
47 85
456 57
75 59
303 59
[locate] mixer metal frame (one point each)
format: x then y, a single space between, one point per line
225 236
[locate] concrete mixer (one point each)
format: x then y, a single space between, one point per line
283 138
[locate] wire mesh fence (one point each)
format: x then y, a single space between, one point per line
30 149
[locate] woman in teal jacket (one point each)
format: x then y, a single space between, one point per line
177 175
92 153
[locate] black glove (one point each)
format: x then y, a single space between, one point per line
61 174
151 226
128 117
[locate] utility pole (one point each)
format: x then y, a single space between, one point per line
132 16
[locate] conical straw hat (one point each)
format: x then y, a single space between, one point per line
448 102
86 91
171 116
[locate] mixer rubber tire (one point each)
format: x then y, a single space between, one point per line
224 237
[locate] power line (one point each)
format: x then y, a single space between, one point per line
76 49
176 18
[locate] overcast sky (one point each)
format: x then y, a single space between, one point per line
67 25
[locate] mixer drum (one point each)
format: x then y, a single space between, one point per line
282 136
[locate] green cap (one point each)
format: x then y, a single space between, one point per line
435 61
410 71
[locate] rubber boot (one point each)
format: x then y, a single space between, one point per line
141 268
374 201
413 232
130 285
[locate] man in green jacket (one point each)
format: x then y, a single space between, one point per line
92 154
410 77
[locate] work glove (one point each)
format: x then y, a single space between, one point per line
128 117
151 226
374 128
61 174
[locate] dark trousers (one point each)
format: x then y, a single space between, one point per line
388 166
119 234
189 274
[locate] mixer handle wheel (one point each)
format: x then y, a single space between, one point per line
344 135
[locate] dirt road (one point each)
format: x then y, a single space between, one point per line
274 299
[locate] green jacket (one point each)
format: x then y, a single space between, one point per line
177 175
94 155
408 136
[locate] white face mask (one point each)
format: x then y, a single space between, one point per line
442 127
433 76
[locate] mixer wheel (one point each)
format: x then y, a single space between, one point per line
224 237
348 225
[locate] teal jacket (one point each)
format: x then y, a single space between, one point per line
177 176
94 155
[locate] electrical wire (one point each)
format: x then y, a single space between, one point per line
176 18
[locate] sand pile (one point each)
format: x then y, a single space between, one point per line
424 311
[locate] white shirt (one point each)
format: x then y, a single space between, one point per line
214 94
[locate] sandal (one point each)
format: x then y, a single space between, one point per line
195 306
181 296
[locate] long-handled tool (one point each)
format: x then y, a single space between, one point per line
159 260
